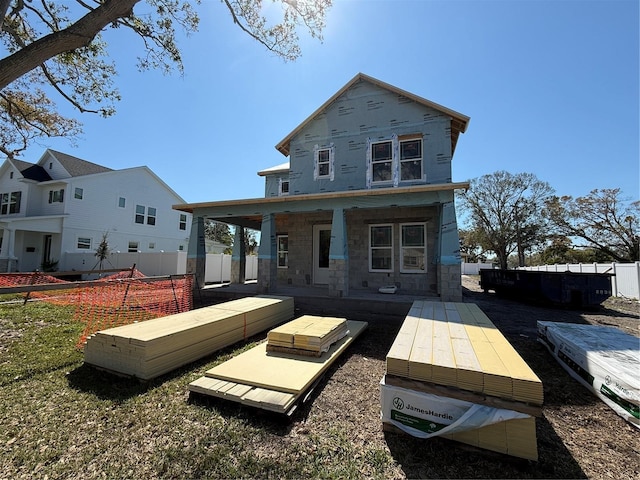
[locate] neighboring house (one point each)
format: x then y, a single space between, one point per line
366 200
64 205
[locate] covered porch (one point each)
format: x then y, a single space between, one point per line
335 210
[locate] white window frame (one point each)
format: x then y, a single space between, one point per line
182 222
133 246
78 193
328 158
139 214
373 248
122 202
420 263
10 202
409 159
284 253
281 186
382 161
84 243
152 215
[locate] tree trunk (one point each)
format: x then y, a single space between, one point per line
77 35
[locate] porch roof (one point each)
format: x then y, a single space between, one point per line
249 212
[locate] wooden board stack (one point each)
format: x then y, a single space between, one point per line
453 350
151 348
273 381
307 335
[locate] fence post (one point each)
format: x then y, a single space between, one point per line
614 280
638 279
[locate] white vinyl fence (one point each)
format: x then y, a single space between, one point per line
624 283
474 268
217 268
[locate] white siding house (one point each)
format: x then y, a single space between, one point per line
64 205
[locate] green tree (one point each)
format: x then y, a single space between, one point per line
57 47
604 219
218 232
504 211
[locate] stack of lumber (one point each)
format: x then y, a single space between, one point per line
454 350
272 381
154 347
307 335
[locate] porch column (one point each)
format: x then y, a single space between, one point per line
238 257
196 254
449 269
8 260
267 256
339 256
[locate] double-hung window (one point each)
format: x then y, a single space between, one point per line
150 212
413 247
382 161
411 159
182 225
323 162
283 251
381 248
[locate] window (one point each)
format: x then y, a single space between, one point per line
56 196
283 251
133 247
381 161
150 215
140 214
152 245
122 202
10 202
413 248
323 162
10 174
381 248
84 243
182 225
283 186
411 159
180 248
78 193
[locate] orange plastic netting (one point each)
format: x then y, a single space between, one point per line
120 299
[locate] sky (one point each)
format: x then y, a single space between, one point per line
551 87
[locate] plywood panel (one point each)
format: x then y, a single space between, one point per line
280 371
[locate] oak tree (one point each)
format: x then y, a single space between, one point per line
504 213
604 219
55 50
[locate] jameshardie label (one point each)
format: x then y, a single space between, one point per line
406 414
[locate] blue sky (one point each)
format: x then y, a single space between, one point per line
551 87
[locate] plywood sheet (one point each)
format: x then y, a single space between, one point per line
280 371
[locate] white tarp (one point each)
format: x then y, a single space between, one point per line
425 415
603 359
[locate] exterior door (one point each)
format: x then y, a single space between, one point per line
321 244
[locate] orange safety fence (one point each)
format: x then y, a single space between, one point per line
120 299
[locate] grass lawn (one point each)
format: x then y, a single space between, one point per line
60 418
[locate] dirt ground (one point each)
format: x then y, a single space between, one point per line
578 435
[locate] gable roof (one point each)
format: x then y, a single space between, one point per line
459 121
31 171
76 166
